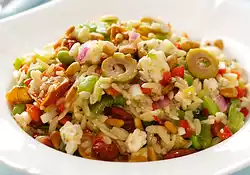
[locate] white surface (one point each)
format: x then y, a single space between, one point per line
210 18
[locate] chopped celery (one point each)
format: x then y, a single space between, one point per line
98 108
119 100
195 142
18 63
235 118
88 84
18 109
189 79
205 137
64 57
209 104
98 91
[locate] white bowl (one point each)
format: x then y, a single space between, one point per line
199 18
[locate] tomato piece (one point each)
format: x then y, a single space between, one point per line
59 67
98 70
244 111
179 153
25 68
65 119
59 92
189 132
27 81
157 119
178 72
71 43
225 133
45 140
105 151
60 108
166 78
242 92
216 127
34 112
146 91
121 112
237 73
205 112
111 91
178 45
222 71
155 106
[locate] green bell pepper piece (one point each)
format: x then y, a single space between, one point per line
119 100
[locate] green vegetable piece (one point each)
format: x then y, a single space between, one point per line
235 118
102 29
21 84
152 56
147 123
205 137
88 84
44 127
161 36
92 27
98 108
181 114
119 100
18 63
35 67
109 19
202 93
18 109
195 142
210 105
235 102
189 79
64 57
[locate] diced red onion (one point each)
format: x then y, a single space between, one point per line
133 36
222 103
163 103
82 54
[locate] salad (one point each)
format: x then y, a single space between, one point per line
129 91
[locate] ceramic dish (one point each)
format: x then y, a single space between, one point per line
38 27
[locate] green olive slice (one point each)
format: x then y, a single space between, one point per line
202 64
119 67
